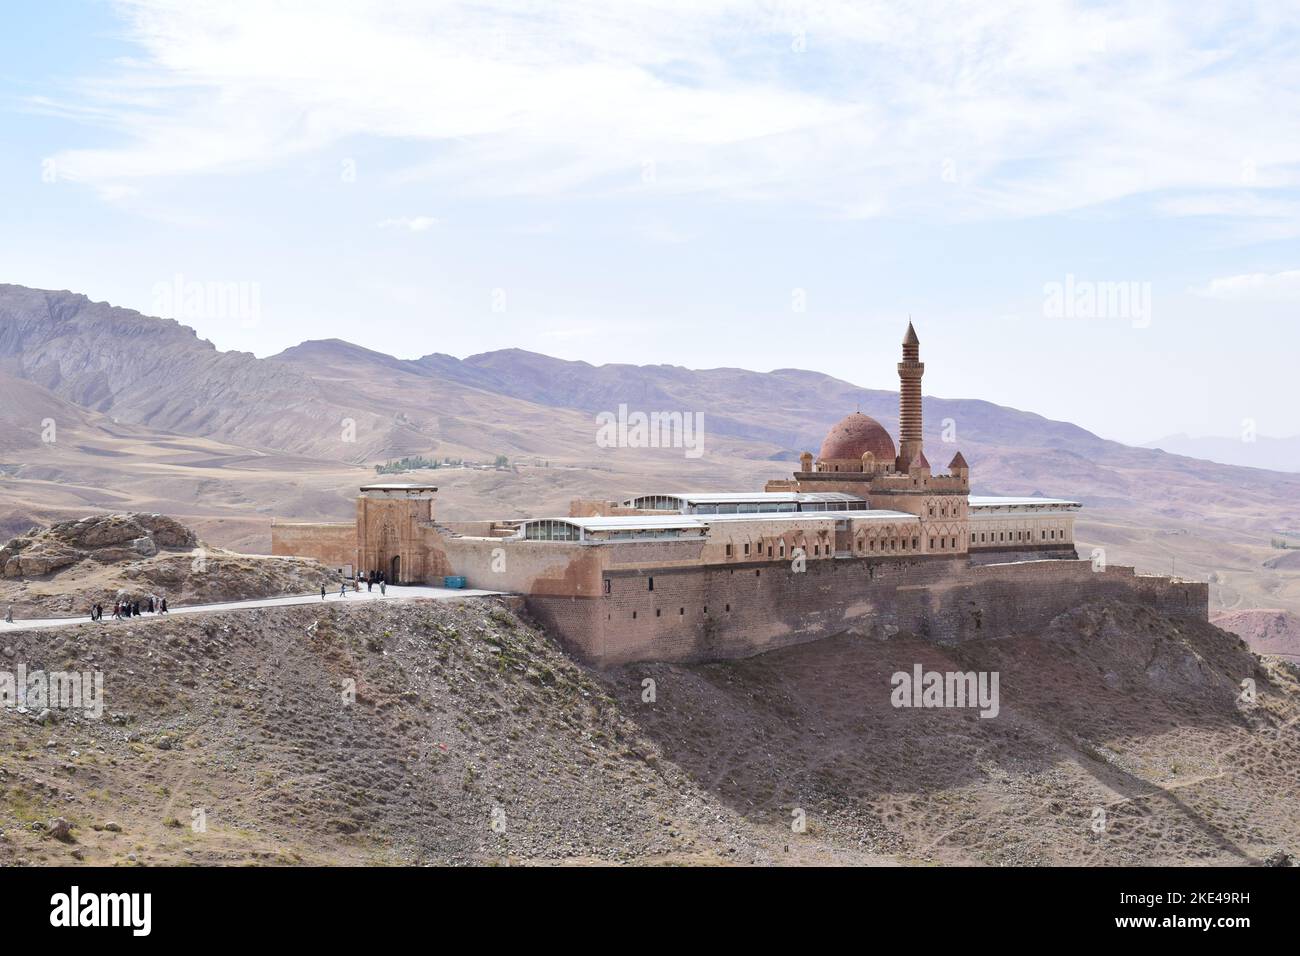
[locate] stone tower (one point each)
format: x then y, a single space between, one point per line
910 371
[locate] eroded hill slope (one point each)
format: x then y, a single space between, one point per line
474 739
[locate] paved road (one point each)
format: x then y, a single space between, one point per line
395 593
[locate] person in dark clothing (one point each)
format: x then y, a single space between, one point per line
322 592
163 608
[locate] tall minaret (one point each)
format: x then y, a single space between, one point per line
910 371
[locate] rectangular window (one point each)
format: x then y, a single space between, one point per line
608 582
728 550
652 584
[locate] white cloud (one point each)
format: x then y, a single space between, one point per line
1254 287
410 223
952 110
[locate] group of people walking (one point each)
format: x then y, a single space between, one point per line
370 579
123 609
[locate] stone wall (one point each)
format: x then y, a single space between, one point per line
1058 551
526 567
693 614
333 544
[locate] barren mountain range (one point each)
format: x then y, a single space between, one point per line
149 417
1248 449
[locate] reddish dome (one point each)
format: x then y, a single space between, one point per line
854 435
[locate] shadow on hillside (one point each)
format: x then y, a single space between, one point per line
813 726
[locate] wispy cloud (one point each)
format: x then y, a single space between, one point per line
410 223
951 110
1254 287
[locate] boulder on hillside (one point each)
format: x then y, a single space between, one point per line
107 539
101 531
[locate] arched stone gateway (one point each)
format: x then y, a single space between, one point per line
395 533
388 559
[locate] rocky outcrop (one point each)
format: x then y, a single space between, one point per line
106 539
65 568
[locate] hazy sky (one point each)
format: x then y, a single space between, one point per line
1090 210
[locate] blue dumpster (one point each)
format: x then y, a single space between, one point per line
453 581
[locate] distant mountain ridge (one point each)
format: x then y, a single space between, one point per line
339 401
1274 454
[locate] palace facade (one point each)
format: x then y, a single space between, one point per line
864 537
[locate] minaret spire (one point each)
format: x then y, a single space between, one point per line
910 371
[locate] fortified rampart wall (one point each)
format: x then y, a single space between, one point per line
693 614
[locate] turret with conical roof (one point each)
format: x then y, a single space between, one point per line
958 467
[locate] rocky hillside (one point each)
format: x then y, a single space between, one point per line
1266 630
106 539
64 568
1112 709
472 739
